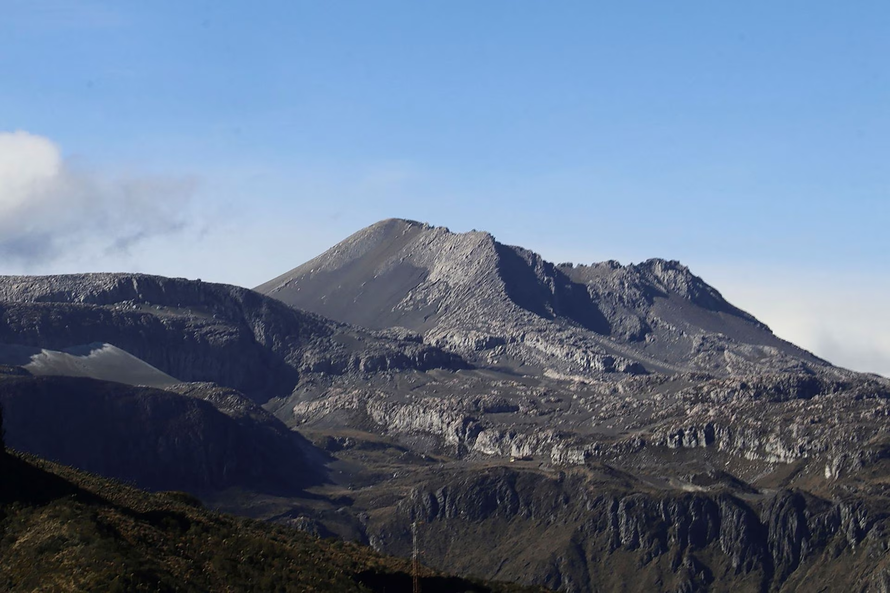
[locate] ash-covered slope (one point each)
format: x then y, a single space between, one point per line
507 306
197 331
97 361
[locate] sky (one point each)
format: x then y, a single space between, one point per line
232 141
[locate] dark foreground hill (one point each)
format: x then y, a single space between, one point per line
504 305
63 530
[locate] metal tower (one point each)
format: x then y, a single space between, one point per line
415 562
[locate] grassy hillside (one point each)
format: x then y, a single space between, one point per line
64 530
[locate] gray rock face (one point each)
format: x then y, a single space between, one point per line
673 483
501 305
749 423
197 331
594 535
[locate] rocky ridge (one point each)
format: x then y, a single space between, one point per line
762 420
198 331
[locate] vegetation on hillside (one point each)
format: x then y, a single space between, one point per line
64 530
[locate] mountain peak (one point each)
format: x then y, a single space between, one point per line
393 227
500 304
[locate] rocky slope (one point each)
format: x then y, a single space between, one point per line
751 422
196 331
685 482
503 305
758 484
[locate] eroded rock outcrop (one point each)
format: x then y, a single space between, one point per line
587 536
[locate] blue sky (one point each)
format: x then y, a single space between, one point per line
232 141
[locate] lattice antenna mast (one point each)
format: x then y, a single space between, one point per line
415 559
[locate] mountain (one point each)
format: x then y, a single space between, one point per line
629 419
506 306
585 428
64 530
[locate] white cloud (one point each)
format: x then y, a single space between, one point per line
839 315
51 208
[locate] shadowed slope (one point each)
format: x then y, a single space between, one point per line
207 440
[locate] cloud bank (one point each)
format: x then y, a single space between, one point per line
51 208
839 315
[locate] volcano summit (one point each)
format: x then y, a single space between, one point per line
506 306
